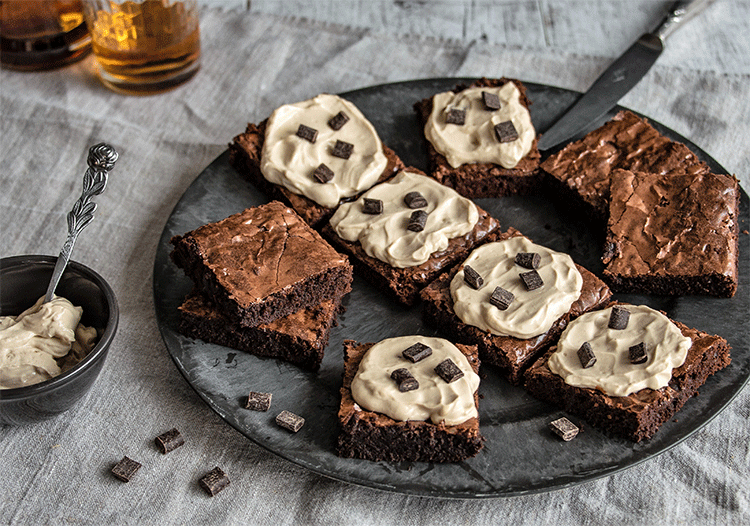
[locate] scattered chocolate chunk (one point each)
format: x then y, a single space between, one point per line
258 401
323 174
528 259
506 132
169 441
404 380
564 428
501 298
415 200
491 101
473 278
214 481
342 149
532 280
456 116
372 206
619 318
307 133
290 421
448 371
125 469
337 121
418 351
417 221
586 355
637 353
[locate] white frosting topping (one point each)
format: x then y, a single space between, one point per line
290 160
532 312
475 141
435 399
613 373
385 236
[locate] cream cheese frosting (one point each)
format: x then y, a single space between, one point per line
435 399
289 160
532 312
384 236
613 373
475 140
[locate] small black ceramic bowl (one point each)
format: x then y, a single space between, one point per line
23 280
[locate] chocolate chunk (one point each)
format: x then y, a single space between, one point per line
169 441
564 428
532 280
125 469
338 120
456 116
342 149
506 132
501 298
418 351
404 380
472 277
586 355
258 401
528 259
307 133
372 206
491 101
619 318
290 421
637 353
214 481
323 174
448 371
415 200
417 221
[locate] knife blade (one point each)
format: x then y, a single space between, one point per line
620 77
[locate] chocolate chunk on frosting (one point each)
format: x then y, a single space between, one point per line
586 355
337 121
472 277
491 100
501 298
307 133
456 116
415 200
417 221
404 380
528 260
619 318
506 132
418 351
342 149
372 206
323 174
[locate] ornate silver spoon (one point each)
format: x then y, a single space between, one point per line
101 160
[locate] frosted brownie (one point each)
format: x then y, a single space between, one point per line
283 155
480 139
407 419
672 234
262 264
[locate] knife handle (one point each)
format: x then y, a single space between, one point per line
679 13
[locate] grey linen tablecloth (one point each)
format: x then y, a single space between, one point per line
58 471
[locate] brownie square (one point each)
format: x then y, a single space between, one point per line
299 338
672 234
262 264
475 180
510 354
374 436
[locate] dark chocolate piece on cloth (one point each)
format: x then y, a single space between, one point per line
342 149
372 206
564 428
501 298
586 355
307 133
323 174
491 101
404 380
258 401
290 421
448 371
214 481
528 259
532 280
169 441
506 132
125 469
456 116
415 200
637 353
338 120
417 221
473 278
418 351
619 318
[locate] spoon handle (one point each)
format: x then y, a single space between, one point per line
101 160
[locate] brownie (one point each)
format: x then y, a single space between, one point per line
374 436
672 234
582 169
299 338
483 179
262 264
510 354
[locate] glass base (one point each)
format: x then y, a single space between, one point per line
148 86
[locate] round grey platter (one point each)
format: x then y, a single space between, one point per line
520 455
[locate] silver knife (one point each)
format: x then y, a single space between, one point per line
620 77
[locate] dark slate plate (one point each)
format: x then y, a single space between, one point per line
520 455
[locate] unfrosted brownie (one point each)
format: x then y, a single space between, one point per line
672 234
262 264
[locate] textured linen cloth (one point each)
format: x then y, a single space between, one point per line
58 471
